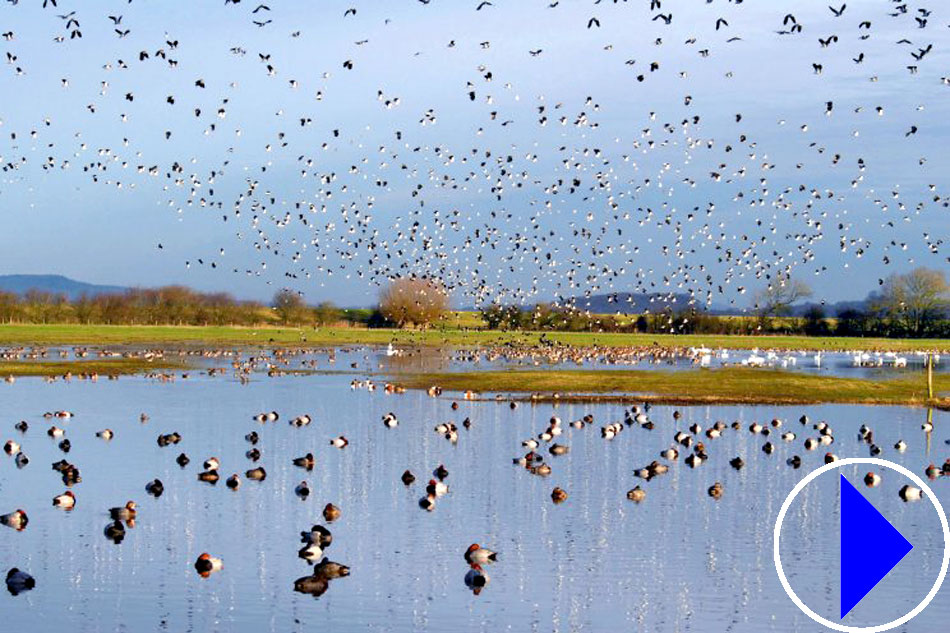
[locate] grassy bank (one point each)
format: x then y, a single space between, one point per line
728 385
72 334
104 367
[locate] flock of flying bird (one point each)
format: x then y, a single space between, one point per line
648 202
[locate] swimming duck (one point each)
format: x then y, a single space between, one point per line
66 501
910 493
637 494
105 434
212 463
55 431
408 478
301 420
872 480
233 482
437 488
478 555
317 534
559 449
670 454
530 444
874 450
339 442
11 447
693 460
302 490
124 513
22 426
252 437
811 444
946 468
65 446
927 427
169 439
256 474
901 446
19 581
788 436
16 520
755 428
310 552
715 490
155 488
306 461
254 454
427 503
209 476
390 421
767 448
932 471
558 495
830 458
207 564
182 460
440 472
115 532
737 463
21 460
331 513
794 461
542 470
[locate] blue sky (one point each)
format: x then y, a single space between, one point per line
61 220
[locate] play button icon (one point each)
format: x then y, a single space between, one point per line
870 547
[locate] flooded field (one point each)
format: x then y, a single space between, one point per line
679 560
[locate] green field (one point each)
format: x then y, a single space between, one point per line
738 385
72 334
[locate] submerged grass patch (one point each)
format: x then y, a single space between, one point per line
105 367
727 385
74 334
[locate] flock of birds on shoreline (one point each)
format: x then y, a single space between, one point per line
526 196
691 446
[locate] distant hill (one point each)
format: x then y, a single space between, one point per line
57 284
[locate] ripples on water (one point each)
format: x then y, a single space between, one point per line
680 561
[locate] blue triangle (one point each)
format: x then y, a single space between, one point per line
870 547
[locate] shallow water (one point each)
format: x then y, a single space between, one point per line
680 561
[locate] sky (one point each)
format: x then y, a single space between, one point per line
331 206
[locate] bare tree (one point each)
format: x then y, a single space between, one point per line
915 300
777 298
413 301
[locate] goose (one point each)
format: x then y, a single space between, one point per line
19 581
478 555
66 501
256 474
339 442
303 490
155 488
558 495
16 520
910 493
408 477
123 513
331 513
306 461
637 494
233 482
872 480
207 564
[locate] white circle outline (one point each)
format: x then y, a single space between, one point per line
861 629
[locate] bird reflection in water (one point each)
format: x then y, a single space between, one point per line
317 583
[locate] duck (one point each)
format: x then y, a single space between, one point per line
872 480
910 493
478 555
209 476
254 454
65 446
558 495
168 439
811 444
767 448
427 503
11 447
212 463
670 454
542 470
105 434
737 463
233 482
307 462
252 437
755 428
874 450
55 431
788 436
693 460
331 513
22 426
339 442
900 446
530 444
66 501
155 488
932 471
441 472
390 421
408 477
437 488
19 581
559 449
256 474
302 490
21 460
946 468
123 513
115 531
715 490
310 552
927 427
794 461
207 564
317 534
637 494
301 420
16 520
830 458
182 460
